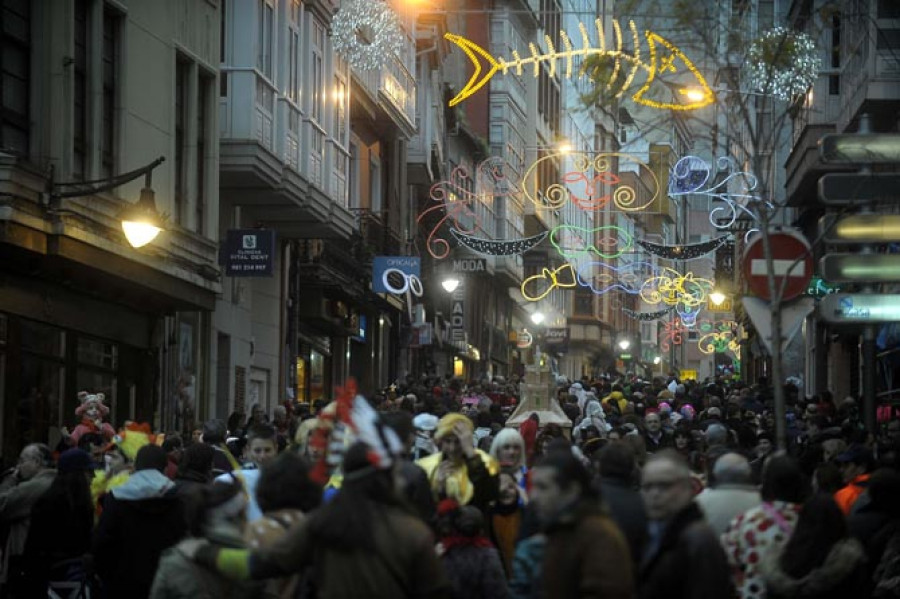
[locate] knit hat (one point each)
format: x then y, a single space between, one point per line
75 460
448 423
425 422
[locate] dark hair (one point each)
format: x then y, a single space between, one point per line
568 471
828 478
198 457
347 522
401 422
44 454
617 461
172 442
884 490
464 521
782 480
214 431
151 457
86 440
205 499
69 493
820 526
266 432
284 483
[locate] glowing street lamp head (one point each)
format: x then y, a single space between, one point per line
565 148
694 94
141 223
537 317
624 344
450 284
717 297
657 360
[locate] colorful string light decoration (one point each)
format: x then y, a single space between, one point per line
366 33
591 185
672 288
499 247
453 204
783 63
689 251
687 314
601 277
537 287
607 242
646 316
672 334
734 187
664 58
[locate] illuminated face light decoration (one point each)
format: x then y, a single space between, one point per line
685 292
601 277
537 287
663 59
453 204
607 242
691 175
591 185
687 314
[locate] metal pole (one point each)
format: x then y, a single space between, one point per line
869 367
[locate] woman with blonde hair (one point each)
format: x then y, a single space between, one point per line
508 449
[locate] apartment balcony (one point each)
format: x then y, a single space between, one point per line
280 165
425 152
389 92
870 78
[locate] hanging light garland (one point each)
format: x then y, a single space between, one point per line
607 242
672 334
783 63
683 251
499 247
537 287
645 316
366 33
601 277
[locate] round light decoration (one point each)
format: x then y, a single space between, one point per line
783 63
366 33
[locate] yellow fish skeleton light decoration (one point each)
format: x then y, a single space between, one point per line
664 58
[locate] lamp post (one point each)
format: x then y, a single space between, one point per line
141 222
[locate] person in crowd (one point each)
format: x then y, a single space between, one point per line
214 434
529 431
508 449
759 530
218 518
582 552
655 438
459 471
140 519
195 469
425 425
570 407
820 560
504 517
762 451
93 444
730 493
593 417
286 495
414 483
876 515
855 464
19 491
827 478
174 448
364 530
117 467
62 521
618 488
472 563
679 538
262 447
717 435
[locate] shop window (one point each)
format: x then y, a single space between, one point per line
316 375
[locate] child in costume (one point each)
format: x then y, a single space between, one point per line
118 458
92 411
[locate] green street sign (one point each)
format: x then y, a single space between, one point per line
860 148
625 356
819 287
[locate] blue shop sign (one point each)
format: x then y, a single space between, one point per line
249 253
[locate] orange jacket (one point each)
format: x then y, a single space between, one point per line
847 496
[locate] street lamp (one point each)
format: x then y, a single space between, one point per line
624 344
717 297
141 222
537 317
450 284
657 360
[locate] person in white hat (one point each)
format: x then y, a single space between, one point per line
425 425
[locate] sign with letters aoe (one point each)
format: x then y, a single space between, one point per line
249 252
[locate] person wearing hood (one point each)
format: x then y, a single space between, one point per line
593 416
820 560
141 518
616 399
218 517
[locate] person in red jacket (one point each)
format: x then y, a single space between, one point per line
855 465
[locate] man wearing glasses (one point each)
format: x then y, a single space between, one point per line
680 540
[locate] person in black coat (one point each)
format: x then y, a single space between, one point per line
616 465
140 519
679 538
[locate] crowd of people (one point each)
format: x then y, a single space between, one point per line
654 489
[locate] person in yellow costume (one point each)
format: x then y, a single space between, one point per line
459 471
118 458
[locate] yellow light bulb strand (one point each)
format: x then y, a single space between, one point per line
554 276
617 31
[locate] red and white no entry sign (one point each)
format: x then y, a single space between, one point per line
791 259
